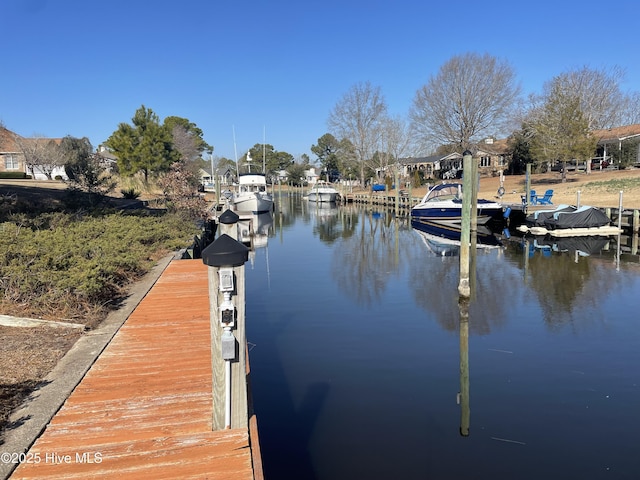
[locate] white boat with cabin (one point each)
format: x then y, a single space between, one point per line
252 194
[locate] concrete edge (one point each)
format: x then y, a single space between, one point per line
33 416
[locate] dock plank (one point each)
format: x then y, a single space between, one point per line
144 409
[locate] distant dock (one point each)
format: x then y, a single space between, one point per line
629 218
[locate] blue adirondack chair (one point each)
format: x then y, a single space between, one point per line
533 198
546 199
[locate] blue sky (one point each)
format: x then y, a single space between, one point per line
81 67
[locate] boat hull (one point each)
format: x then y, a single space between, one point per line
453 215
323 197
253 203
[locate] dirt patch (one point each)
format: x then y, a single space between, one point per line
27 355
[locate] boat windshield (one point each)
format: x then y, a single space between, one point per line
445 191
253 188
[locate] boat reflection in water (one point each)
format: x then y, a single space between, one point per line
444 240
254 230
581 246
322 210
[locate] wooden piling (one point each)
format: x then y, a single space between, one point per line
465 233
239 407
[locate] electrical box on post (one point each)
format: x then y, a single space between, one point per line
228 345
227 313
226 279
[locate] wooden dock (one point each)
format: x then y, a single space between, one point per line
144 409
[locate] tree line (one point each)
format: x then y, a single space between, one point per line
473 97
470 98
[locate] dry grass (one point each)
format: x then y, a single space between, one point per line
598 189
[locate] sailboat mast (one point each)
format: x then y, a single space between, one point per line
264 152
235 151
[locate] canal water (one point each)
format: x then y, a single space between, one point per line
364 367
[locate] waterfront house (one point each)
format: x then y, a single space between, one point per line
619 141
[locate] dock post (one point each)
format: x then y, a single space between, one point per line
469 200
397 199
475 186
527 187
228 222
465 234
226 258
620 211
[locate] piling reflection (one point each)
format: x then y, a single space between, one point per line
463 396
431 286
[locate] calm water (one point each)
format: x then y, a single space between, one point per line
356 355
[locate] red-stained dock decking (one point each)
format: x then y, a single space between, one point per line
144 409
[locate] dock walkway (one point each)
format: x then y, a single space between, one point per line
144 409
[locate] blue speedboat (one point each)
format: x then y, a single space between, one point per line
443 204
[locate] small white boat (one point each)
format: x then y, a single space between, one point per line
323 192
443 204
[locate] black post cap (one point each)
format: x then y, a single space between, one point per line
225 252
229 217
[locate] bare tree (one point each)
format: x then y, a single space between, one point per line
602 102
185 143
471 97
357 118
631 114
41 154
395 139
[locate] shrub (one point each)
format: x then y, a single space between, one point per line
60 265
13 175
